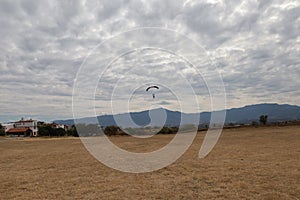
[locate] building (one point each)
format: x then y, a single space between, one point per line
20 131
63 126
22 127
8 126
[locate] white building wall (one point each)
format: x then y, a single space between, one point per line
31 124
8 126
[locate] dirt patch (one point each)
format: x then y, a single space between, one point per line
247 163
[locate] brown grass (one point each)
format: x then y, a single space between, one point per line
247 163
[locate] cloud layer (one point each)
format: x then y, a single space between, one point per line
254 44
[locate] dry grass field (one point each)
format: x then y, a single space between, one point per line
247 163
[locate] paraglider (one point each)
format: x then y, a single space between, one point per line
152 87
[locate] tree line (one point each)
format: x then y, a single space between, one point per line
48 130
95 130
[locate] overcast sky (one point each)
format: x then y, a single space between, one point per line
255 46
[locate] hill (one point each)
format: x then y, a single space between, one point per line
247 114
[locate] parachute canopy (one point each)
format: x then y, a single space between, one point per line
153 86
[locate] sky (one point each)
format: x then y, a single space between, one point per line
49 49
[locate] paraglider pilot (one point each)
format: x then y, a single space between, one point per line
152 87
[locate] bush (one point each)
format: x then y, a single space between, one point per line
2 131
72 131
263 119
112 130
168 130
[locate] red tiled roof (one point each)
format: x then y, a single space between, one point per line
17 130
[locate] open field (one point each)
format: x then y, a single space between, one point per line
247 163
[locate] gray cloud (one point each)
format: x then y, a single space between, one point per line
254 44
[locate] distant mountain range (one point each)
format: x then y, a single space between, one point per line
247 114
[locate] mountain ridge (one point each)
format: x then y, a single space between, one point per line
246 114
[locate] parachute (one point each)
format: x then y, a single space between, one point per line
152 87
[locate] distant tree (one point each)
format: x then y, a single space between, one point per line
254 123
188 127
43 131
72 131
230 124
165 130
263 119
2 131
93 129
40 123
85 130
111 130
174 129
47 130
59 132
